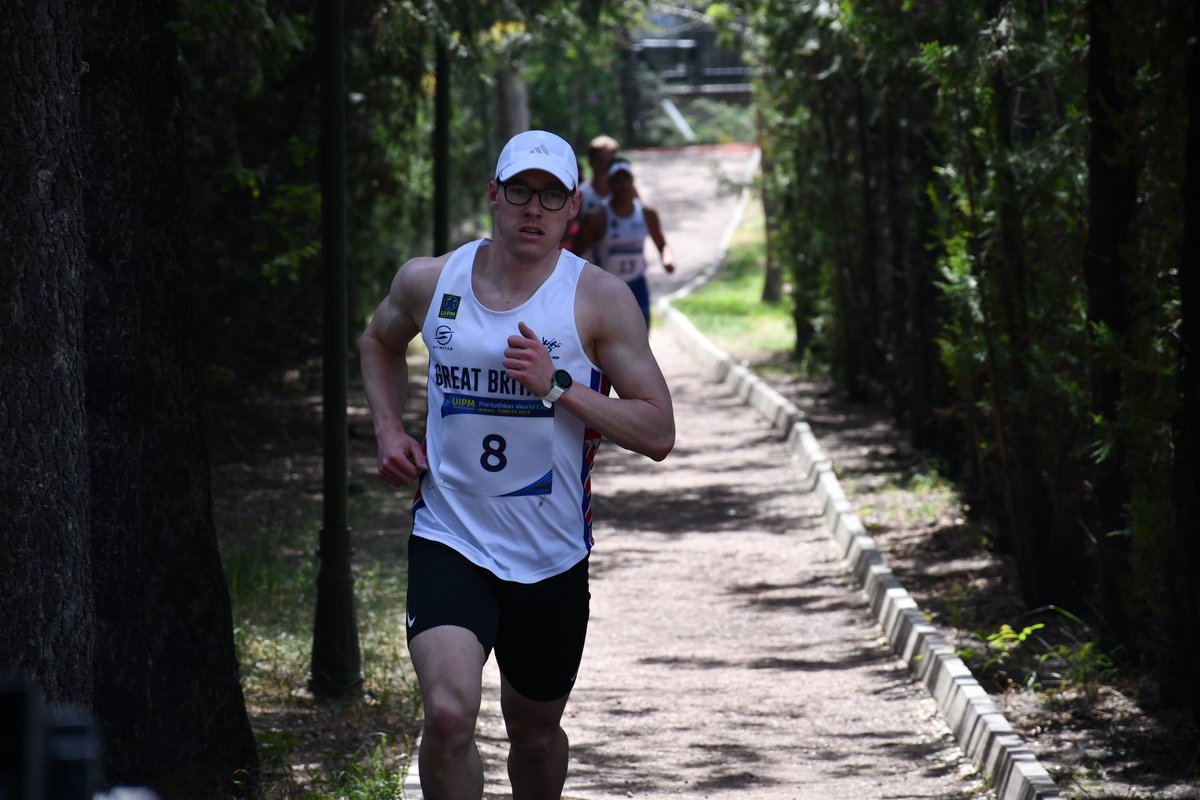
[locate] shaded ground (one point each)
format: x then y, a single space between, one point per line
1108 737
729 652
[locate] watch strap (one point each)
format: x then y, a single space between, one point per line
557 388
555 392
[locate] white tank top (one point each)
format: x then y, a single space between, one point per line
591 200
623 249
509 480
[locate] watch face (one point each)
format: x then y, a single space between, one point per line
562 379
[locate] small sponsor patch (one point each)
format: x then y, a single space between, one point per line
449 309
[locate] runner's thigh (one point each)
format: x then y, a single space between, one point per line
542 631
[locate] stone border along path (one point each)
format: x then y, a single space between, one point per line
980 729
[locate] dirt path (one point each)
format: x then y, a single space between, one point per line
729 651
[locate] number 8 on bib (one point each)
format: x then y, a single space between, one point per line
504 447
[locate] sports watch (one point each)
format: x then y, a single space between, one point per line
558 384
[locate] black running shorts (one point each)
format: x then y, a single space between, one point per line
537 629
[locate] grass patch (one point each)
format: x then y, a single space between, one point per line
729 309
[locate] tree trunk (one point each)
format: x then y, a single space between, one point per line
870 241
513 99
773 273
897 204
1185 607
441 148
805 272
929 395
1000 493
166 680
848 364
1112 203
45 562
1050 570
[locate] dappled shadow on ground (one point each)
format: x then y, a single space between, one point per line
816 593
686 512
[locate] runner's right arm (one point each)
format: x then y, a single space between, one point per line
383 351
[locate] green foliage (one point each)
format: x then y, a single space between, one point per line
367 775
1061 656
1003 643
250 112
251 115
271 574
926 174
716 122
576 70
1083 665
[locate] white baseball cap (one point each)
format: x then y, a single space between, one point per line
538 150
620 165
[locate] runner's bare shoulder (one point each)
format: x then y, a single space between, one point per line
414 284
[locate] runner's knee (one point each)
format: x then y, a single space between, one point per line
534 740
449 721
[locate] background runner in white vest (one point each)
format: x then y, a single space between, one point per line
525 341
616 232
601 153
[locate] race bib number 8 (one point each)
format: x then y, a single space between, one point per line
502 447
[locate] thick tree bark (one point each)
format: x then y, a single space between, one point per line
166 681
45 563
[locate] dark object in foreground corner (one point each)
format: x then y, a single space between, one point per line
46 754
